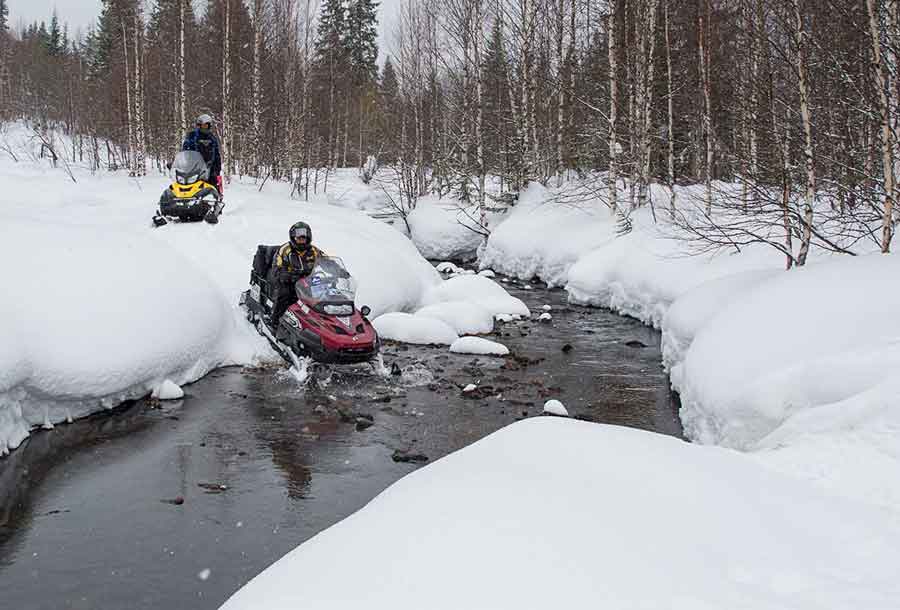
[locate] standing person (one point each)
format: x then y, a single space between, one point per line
203 140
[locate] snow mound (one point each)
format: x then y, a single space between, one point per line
487 273
439 231
479 290
464 317
553 497
691 311
407 328
448 267
554 407
783 361
527 243
478 345
545 317
167 390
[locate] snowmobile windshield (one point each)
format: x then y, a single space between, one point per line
189 167
329 287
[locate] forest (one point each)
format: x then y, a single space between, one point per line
781 115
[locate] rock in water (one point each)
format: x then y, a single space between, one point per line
554 407
403 456
636 344
545 317
168 390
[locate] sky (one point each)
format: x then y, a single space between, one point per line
82 13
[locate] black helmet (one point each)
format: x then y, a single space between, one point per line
300 235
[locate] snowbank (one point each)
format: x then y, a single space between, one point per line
439 230
690 312
793 343
543 237
407 328
546 514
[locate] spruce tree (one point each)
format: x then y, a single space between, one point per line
361 40
55 44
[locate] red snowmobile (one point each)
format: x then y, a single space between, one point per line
323 323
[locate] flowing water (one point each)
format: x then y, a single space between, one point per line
178 505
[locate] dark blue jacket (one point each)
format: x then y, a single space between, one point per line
208 146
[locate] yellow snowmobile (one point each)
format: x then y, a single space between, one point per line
190 198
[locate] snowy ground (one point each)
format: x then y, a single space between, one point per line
101 307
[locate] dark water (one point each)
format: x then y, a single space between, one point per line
89 515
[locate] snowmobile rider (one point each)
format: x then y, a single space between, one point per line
204 141
293 261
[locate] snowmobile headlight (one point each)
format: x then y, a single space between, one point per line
338 310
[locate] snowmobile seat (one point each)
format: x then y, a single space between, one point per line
262 262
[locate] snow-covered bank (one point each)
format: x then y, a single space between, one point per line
800 369
793 367
546 513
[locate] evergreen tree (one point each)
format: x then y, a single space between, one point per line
329 45
55 44
361 40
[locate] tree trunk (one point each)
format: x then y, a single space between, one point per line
707 100
887 144
670 156
225 123
612 49
806 233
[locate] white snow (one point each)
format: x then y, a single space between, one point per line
544 238
407 328
479 290
448 267
548 513
470 388
545 317
464 317
696 307
547 307
487 273
439 230
168 390
478 345
555 407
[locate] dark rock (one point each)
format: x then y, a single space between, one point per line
567 348
403 456
363 424
395 369
384 398
636 344
177 501
213 488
